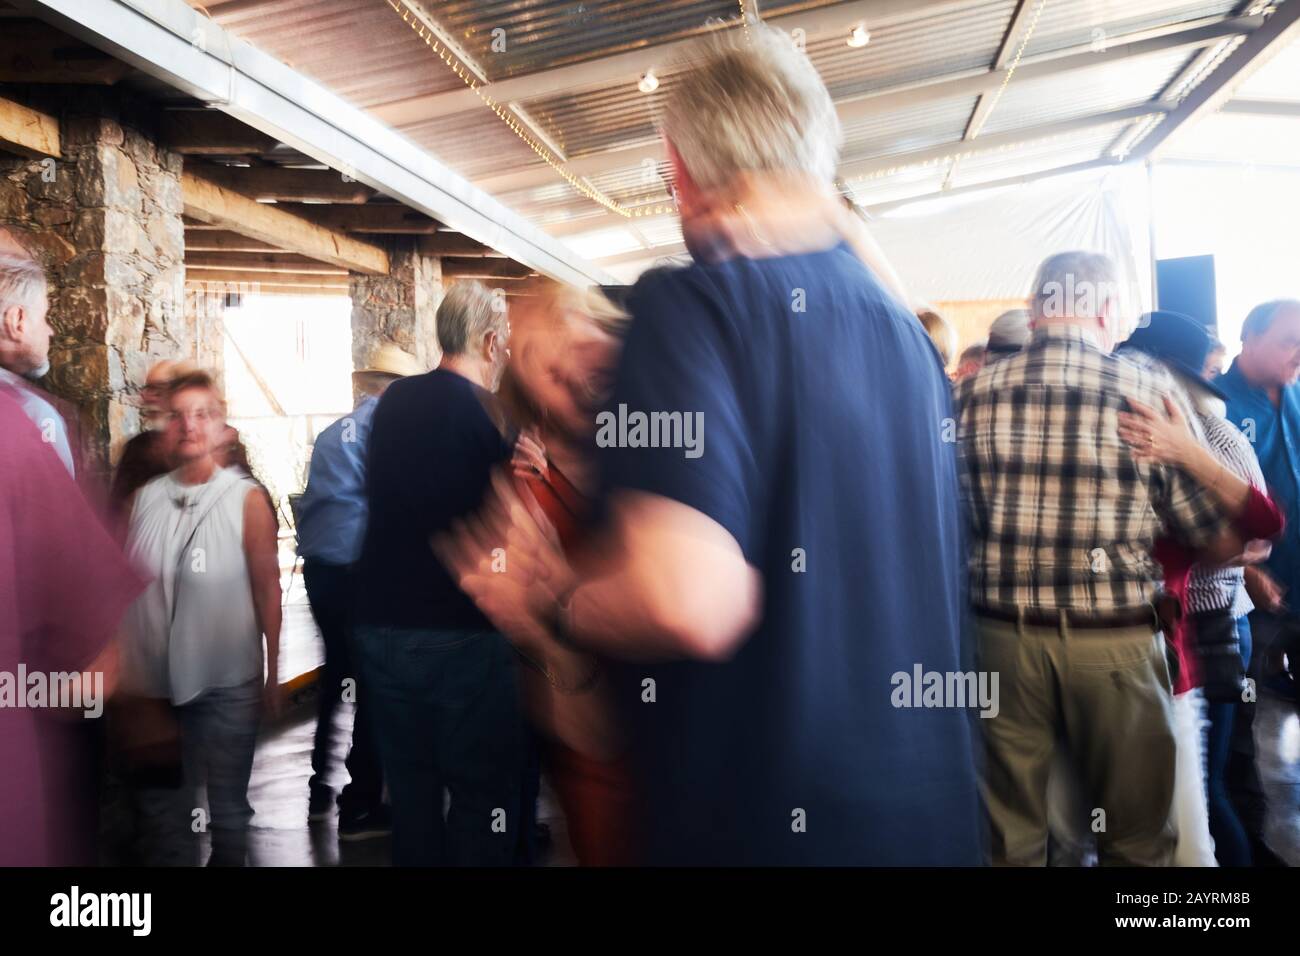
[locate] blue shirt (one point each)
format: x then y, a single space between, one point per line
332 511
823 456
54 431
1274 431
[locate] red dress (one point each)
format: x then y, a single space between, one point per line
1260 519
596 795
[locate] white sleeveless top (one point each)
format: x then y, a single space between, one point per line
195 626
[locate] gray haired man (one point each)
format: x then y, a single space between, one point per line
25 346
440 679
1061 572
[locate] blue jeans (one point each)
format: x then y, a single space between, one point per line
218 741
1231 844
446 716
329 589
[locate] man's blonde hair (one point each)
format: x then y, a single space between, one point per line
753 102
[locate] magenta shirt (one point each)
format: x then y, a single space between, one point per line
64 585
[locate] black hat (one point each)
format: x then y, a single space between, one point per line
1179 341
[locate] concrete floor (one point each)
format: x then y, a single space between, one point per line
281 835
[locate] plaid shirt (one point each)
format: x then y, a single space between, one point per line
1061 514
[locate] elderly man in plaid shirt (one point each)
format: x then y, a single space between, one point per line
1063 520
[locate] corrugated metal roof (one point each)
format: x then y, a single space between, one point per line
542 34
593 120
905 184
474 145
1068 23
361 51
908 52
367 54
1084 92
1037 156
903 130
660 232
633 186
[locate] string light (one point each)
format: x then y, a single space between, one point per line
966 150
581 185
859 37
1038 12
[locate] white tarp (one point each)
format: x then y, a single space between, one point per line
988 244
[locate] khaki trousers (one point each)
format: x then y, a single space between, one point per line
1103 698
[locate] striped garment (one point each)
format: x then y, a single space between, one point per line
1061 515
1210 589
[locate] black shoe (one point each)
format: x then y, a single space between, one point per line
376 822
320 806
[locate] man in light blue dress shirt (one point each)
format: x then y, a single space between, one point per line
331 519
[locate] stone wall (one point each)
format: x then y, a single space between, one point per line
399 307
105 220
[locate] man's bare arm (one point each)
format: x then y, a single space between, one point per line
680 586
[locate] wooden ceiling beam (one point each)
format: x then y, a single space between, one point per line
370 219
216 205
245 277
261 262
264 288
466 268
300 290
35 52
455 244
211 133
209 239
286 184
28 132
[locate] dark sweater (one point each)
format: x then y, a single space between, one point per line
432 449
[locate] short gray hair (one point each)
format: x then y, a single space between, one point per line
752 102
467 313
1068 280
22 282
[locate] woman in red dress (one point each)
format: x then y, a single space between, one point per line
563 353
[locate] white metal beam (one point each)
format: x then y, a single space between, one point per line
1284 108
1281 28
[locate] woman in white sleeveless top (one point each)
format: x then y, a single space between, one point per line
207 536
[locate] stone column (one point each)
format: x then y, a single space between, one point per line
399 307
105 220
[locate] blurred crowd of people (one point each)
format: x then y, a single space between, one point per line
703 653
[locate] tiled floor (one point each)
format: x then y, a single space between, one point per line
1277 741
282 836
